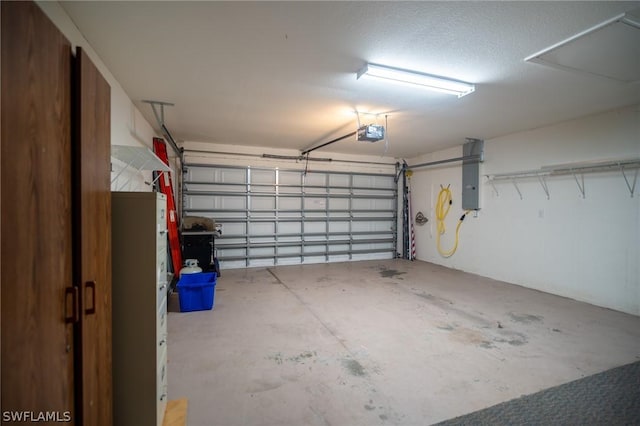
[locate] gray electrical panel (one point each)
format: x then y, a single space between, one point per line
472 151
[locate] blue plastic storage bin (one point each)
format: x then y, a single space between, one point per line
196 291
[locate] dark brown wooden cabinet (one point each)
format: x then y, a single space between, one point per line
92 240
55 240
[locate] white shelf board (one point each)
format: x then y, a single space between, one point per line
575 169
138 158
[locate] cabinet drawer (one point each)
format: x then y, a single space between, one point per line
161 361
162 319
161 266
162 390
161 295
162 370
161 212
161 342
161 241
161 227
162 404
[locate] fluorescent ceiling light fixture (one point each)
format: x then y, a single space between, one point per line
427 81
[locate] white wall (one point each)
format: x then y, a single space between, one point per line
128 127
586 249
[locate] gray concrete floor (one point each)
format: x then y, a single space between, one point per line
380 343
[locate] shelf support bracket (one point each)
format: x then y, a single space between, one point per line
124 185
515 185
580 182
544 185
493 185
158 175
631 186
122 170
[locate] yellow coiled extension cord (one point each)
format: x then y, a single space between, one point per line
442 209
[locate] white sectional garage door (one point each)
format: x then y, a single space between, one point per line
274 216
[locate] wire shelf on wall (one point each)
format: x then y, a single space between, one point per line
136 159
627 167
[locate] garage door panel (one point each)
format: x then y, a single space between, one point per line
231 253
339 258
262 203
281 217
311 250
315 203
339 180
293 260
260 262
288 191
262 177
338 247
213 187
232 229
318 238
262 251
376 192
339 204
218 175
368 246
289 227
226 216
339 226
289 203
315 179
215 203
291 249
206 202
234 264
231 243
373 204
370 256
343 192
340 216
371 181
314 227
230 176
262 228
314 259
289 178
373 226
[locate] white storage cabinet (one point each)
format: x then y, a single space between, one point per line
139 234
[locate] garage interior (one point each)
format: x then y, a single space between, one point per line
449 248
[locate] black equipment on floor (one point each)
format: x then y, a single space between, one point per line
200 245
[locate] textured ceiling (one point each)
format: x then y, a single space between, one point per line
283 74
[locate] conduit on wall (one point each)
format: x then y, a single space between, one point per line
474 157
